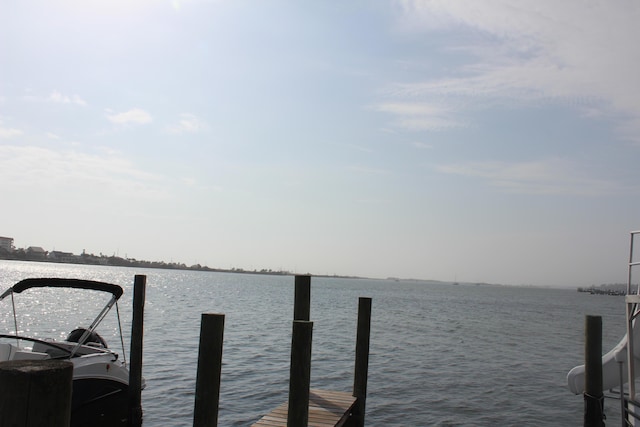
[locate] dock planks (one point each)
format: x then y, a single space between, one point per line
326 409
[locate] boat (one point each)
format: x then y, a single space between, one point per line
619 377
100 377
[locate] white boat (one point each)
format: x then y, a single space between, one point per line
100 376
617 373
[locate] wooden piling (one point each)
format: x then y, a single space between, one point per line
593 396
209 370
302 299
35 393
362 361
135 356
300 374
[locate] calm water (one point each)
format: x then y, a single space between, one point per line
440 355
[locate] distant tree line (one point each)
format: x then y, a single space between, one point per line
29 254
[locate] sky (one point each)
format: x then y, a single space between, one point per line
472 141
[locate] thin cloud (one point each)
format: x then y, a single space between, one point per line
189 181
59 98
55 97
360 148
545 177
421 145
193 183
535 51
134 116
6 133
368 170
374 201
419 116
37 167
188 123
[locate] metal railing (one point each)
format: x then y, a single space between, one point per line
630 406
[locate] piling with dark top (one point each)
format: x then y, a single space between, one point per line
35 393
302 299
209 370
300 374
135 357
362 360
593 396
300 368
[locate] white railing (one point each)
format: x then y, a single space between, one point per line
632 303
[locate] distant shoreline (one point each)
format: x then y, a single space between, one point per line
115 261
57 257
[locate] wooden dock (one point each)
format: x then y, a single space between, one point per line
321 408
326 409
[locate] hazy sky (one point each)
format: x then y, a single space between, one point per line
483 141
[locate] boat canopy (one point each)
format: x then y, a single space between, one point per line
63 283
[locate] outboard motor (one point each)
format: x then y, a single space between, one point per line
92 338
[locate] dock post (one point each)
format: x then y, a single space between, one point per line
300 374
35 393
302 299
135 353
593 396
209 371
362 360
623 401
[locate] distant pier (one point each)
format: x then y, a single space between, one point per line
604 291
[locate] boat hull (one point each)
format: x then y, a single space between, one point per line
98 402
100 391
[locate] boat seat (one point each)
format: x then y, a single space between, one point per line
29 355
6 351
93 339
53 352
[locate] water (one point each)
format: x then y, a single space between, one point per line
441 355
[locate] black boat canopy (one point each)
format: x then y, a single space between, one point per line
63 283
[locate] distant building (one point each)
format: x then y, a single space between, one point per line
60 256
6 244
36 252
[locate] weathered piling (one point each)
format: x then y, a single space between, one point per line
593 396
209 370
300 374
35 393
363 334
300 368
135 357
302 298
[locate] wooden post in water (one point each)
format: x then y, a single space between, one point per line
35 393
302 299
362 360
593 396
300 374
135 354
209 371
